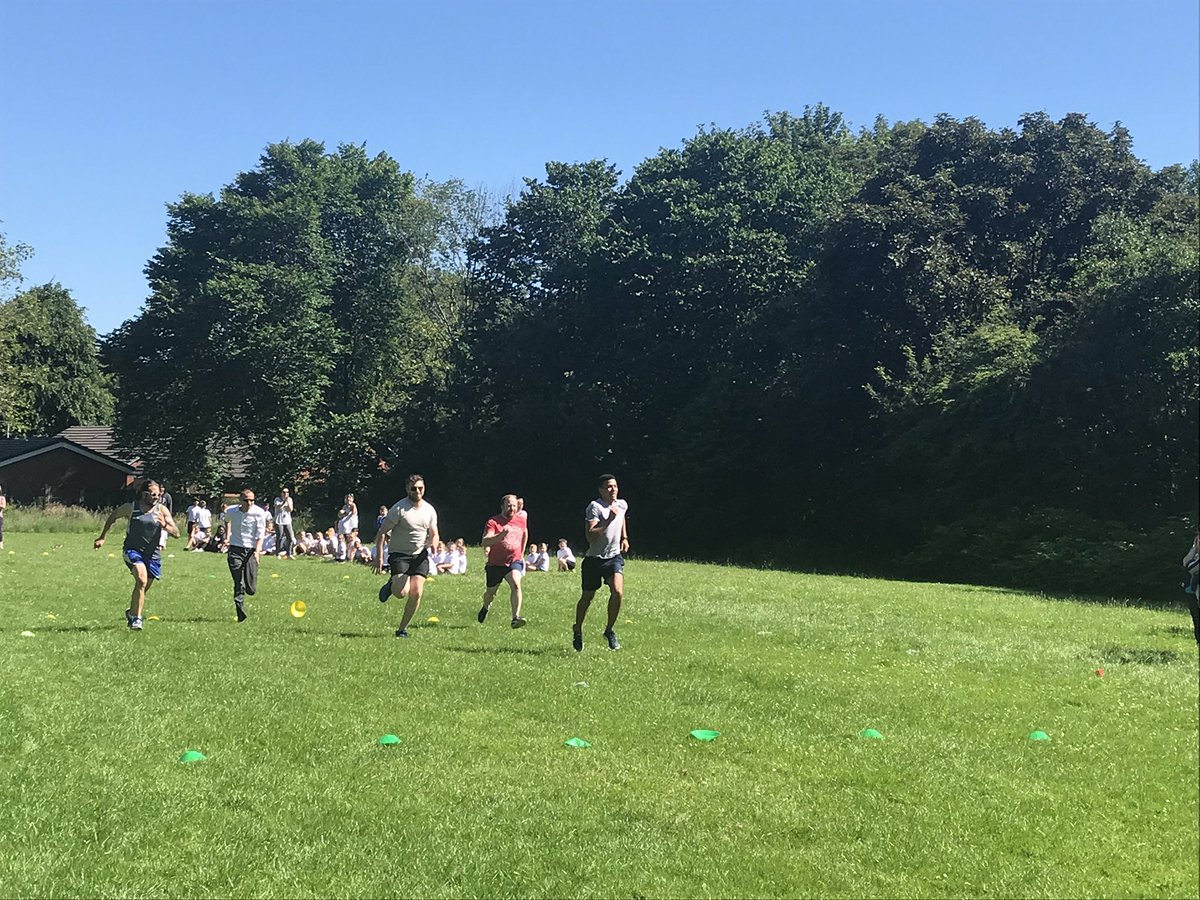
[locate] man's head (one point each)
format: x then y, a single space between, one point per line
416 488
246 499
508 505
149 492
608 487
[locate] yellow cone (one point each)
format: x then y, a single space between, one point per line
274 574
433 620
154 618
298 608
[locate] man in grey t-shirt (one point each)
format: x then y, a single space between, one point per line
410 529
608 539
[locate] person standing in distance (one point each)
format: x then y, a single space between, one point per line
608 538
410 529
142 552
245 528
503 539
285 538
3 506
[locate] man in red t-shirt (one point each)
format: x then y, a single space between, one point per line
504 538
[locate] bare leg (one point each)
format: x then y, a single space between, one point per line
416 587
399 585
581 608
616 593
514 582
141 584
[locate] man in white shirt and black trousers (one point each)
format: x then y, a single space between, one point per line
245 527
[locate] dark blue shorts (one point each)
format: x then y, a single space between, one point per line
596 571
493 575
153 564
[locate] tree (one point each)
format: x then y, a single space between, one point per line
50 373
285 319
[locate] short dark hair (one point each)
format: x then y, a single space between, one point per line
604 479
413 479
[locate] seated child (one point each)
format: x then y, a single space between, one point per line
566 559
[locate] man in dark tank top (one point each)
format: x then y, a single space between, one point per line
148 519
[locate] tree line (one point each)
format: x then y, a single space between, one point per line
936 350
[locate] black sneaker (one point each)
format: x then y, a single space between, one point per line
386 591
129 618
241 610
577 640
613 643
402 632
483 611
518 622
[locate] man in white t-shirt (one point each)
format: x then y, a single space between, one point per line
190 515
245 528
284 536
410 530
204 516
608 539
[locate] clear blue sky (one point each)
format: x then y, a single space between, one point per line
113 109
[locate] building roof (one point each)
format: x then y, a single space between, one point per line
10 447
15 451
98 439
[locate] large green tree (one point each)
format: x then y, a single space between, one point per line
50 373
286 323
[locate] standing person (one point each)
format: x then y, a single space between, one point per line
285 538
245 528
142 552
410 529
3 506
1191 565
190 517
204 517
608 538
503 538
347 516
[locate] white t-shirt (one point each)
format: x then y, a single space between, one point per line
565 553
204 518
408 526
191 512
460 562
607 543
283 511
542 562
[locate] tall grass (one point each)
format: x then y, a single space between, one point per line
55 518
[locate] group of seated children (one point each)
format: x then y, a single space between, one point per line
537 558
329 544
448 559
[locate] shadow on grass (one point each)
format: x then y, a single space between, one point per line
511 651
1114 654
74 629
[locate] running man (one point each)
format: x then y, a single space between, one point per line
608 538
504 538
410 529
142 551
245 528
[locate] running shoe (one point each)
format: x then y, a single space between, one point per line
518 622
402 632
613 643
135 624
483 611
386 591
129 618
577 640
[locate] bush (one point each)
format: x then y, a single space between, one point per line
1057 551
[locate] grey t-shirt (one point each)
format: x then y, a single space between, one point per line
607 544
409 526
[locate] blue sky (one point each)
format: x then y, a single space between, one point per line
113 109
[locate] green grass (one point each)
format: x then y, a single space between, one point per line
481 798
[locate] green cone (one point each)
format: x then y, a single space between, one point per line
703 734
389 739
577 743
1038 736
192 756
870 734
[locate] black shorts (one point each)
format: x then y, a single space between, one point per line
596 570
493 575
412 565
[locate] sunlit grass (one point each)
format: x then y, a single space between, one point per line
481 798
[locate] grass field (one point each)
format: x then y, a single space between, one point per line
481 798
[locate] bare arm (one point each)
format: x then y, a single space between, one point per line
121 512
167 521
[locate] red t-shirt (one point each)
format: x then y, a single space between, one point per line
512 548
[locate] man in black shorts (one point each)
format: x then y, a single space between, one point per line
608 538
410 529
503 537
